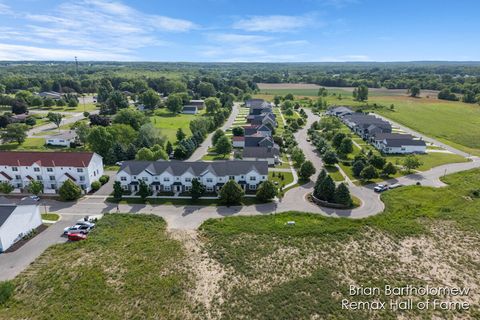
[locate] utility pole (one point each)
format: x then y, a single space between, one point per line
76 65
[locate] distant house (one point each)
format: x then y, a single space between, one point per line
255 103
339 111
19 118
17 220
377 139
50 94
260 129
269 154
190 109
62 139
200 104
258 140
263 119
238 142
403 146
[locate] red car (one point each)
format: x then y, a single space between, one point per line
76 236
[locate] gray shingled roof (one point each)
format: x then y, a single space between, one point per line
404 142
177 168
260 152
391 136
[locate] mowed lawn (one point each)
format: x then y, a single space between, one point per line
169 123
128 268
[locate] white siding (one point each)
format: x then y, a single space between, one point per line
19 223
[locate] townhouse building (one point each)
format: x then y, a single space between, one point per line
51 168
177 176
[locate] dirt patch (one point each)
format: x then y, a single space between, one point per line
208 274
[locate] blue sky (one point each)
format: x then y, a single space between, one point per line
241 30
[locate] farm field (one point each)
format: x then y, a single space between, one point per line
169 123
268 261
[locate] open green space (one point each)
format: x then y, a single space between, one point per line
280 179
302 271
452 122
35 144
129 267
334 173
169 123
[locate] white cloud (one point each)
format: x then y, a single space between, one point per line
274 23
21 52
109 28
4 9
237 38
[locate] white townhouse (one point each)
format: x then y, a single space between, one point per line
403 146
176 176
52 168
17 220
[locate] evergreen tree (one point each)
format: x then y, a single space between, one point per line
389 169
197 189
117 190
231 193
69 191
143 190
266 191
342 195
306 170
326 189
357 168
368 173
35 187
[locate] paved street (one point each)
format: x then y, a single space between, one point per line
75 116
11 264
203 148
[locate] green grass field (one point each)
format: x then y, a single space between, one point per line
80 108
280 178
128 268
169 123
279 271
452 122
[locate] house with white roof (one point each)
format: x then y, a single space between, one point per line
62 139
17 220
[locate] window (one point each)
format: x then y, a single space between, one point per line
178 178
79 170
53 186
187 188
19 185
145 179
209 180
253 178
188 179
123 178
39 178
166 179
232 177
52 178
252 187
82 178
14 169
209 189
49 169
134 177
167 188
18 177
36 169
82 186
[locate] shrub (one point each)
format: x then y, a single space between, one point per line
69 191
96 185
104 179
6 291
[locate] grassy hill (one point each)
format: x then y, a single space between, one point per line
128 269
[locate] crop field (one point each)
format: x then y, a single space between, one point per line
272 270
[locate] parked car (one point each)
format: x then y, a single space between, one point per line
78 228
380 188
76 236
91 219
395 185
33 197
